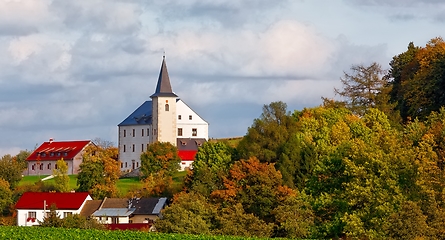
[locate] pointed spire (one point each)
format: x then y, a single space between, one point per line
164 88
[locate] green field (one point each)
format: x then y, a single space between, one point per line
64 233
123 185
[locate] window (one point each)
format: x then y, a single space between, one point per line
49 166
43 154
32 214
133 132
51 154
142 147
55 166
190 117
41 166
167 107
126 165
125 149
147 145
179 117
33 167
125 133
194 132
58 154
142 132
66 214
179 131
137 164
65 154
133 147
148 132
122 164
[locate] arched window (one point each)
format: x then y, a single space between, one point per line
167 107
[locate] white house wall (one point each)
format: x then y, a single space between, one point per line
134 143
22 216
188 124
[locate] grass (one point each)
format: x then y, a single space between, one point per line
124 185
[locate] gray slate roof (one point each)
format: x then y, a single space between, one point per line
148 206
164 88
189 143
141 116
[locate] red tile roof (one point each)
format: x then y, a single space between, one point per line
34 200
187 155
56 150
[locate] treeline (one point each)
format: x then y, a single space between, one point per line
369 167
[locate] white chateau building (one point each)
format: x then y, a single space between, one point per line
165 118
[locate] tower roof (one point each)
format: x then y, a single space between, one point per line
164 88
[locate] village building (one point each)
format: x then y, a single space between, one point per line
43 160
32 207
166 118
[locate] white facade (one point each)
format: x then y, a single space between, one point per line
189 123
133 140
31 217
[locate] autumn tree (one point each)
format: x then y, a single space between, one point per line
212 163
11 170
99 171
257 186
417 79
160 156
5 195
61 178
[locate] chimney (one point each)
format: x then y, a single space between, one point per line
51 140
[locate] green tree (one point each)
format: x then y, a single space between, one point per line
160 156
189 213
212 163
268 133
294 218
99 171
61 178
233 220
52 218
11 170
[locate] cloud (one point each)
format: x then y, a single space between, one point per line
23 17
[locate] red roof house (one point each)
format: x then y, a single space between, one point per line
43 160
32 206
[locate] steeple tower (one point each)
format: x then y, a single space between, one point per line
163 88
164 109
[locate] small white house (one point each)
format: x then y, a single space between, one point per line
33 206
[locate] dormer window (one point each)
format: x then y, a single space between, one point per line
43 154
167 107
51 154
65 154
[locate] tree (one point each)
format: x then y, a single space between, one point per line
267 133
257 186
11 170
233 220
417 79
99 171
61 178
5 195
160 156
212 162
52 218
190 213
294 218
365 88
408 223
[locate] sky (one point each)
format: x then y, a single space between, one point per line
73 70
